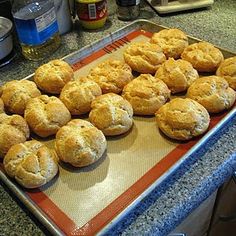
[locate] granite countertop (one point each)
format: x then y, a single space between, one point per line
195 180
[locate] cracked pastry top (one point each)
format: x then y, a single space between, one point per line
80 143
144 57
31 163
204 56
213 93
52 76
146 94
182 119
16 93
112 114
77 95
13 130
45 115
172 41
178 75
227 70
111 75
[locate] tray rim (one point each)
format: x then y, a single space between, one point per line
170 171
40 215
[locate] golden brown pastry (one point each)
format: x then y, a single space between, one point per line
178 75
52 76
31 163
2 110
213 93
45 115
77 95
227 70
182 119
16 93
112 114
13 130
203 56
146 94
144 57
172 41
111 75
80 143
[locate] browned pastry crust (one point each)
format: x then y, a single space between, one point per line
52 76
112 114
213 93
146 94
2 110
144 57
182 119
13 130
227 70
172 41
178 75
45 115
111 75
16 93
80 143
77 95
32 164
203 56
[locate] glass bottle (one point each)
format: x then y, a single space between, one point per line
128 9
37 27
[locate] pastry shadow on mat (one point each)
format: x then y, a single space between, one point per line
85 177
89 168
81 117
46 186
170 140
146 118
178 95
119 143
48 141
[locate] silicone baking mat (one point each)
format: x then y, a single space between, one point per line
81 201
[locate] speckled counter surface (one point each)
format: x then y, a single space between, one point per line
197 178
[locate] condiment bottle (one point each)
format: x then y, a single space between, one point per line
92 13
37 27
128 9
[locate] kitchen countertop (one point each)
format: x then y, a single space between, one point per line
179 195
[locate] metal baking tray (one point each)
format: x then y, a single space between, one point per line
85 201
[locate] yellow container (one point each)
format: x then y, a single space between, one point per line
92 13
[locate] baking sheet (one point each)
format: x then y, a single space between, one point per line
83 201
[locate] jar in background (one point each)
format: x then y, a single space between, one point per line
63 15
128 9
37 27
92 13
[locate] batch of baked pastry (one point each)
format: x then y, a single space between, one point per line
111 95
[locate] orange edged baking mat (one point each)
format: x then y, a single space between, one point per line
83 201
